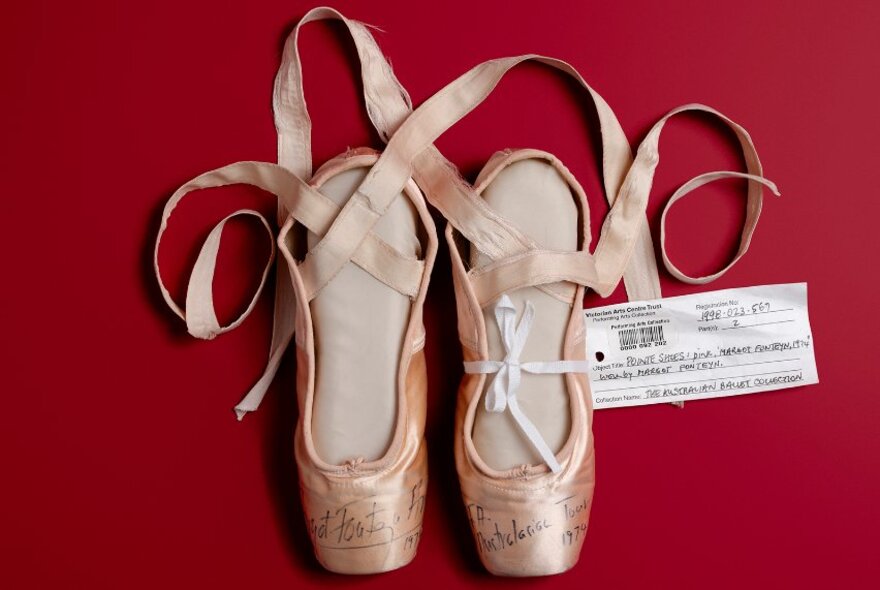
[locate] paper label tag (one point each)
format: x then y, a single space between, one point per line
706 345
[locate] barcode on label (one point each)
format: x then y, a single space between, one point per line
633 337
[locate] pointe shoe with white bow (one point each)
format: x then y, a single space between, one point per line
524 444
518 246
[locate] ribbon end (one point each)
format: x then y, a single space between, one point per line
202 331
505 302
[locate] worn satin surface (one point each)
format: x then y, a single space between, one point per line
527 521
365 516
368 519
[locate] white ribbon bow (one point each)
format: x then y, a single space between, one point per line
502 391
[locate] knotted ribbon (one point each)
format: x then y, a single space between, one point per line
508 373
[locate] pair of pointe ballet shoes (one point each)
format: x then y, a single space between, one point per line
357 245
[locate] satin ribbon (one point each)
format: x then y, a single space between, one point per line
508 373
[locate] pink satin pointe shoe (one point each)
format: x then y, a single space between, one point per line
524 446
518 245
361 378
351 285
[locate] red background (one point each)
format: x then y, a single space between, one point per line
122 464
